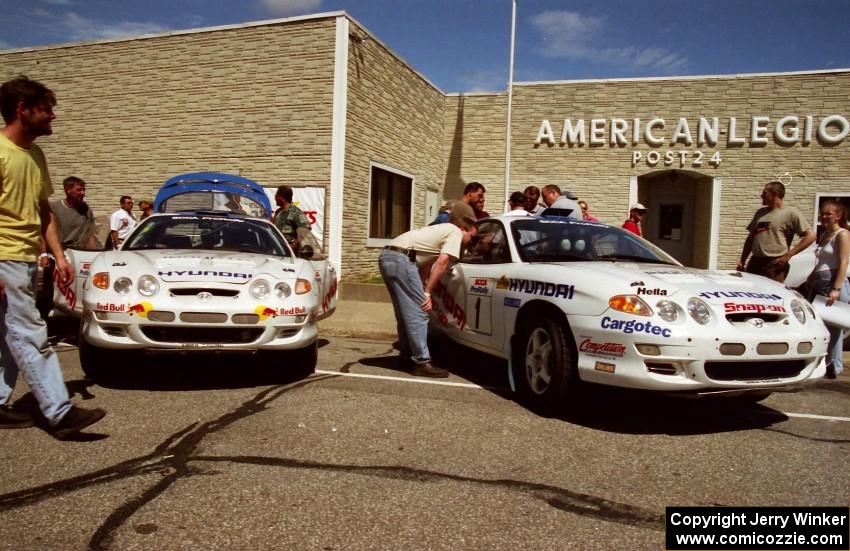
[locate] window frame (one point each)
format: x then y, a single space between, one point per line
380 241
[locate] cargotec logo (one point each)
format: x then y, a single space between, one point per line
213 273
738 294
634 326
557 290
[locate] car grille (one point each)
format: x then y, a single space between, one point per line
753 371
193 291
218 335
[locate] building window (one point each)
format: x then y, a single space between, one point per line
390 204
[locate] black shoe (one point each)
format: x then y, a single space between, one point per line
76 420
830 372
428 370
12 419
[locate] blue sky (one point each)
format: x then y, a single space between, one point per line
463 45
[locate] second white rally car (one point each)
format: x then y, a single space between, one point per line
214 279
568 301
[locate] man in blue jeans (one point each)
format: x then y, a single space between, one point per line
427 251
25 218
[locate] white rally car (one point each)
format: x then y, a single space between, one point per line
568 301
213 280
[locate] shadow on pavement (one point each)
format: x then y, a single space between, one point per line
615 409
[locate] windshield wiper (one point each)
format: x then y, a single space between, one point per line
632 258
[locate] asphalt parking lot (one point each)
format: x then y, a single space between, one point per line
235 453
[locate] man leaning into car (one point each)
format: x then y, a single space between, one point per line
428 251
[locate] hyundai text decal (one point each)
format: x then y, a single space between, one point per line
738 294
557 290
213 273
634 326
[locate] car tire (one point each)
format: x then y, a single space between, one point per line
94 360
304 359
544 368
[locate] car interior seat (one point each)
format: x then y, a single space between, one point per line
178 242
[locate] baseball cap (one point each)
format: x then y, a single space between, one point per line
517 197
462 213
638 206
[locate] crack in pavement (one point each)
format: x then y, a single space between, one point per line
172 457
560 498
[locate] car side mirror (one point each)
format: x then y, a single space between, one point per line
305 252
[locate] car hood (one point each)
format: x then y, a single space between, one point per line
227 267
659 280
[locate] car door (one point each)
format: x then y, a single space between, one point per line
468 290
326 280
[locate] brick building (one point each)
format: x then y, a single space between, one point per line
319 101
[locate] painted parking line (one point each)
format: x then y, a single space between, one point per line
813 416
479 387
410 380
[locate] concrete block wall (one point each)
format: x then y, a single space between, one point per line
251 100
601 174
395 118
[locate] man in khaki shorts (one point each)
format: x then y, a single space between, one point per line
772 230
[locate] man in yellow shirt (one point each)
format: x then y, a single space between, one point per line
26 218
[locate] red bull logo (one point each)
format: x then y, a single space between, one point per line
265 312
141 309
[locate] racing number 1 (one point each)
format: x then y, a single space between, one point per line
478 313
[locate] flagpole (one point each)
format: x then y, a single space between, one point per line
510 100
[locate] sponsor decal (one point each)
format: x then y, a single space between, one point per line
213 273
119 263
666 272
739 294
318 277
445 307
480 286
512 302
141 309
637 284
69 294
326 301
502 283
291 270
634 326
542 288
84 269
109 307
265 312
758 308
606 367
652 292
294 311
611 349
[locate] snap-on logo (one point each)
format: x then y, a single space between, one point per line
730 307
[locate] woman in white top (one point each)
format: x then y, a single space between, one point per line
830 275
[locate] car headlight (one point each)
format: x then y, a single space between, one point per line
798 310
668 310
100 280
147 285
630 304
122 285
260 289
302 286
699 311
282 290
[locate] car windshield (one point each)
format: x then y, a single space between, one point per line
553 240
209 233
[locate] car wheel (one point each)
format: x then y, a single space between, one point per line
304 359
543 367
93 359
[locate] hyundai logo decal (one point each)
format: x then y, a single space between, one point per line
205 296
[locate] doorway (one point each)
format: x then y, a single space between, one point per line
680 216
